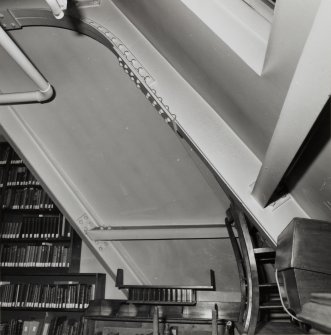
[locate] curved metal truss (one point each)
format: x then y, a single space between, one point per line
127 60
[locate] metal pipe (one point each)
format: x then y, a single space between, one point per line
45 91
57 8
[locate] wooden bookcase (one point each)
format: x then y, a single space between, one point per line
39 253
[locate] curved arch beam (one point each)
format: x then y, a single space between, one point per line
129 63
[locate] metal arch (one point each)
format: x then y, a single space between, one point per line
137 73
247 268
229 221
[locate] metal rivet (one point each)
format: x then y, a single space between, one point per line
135 63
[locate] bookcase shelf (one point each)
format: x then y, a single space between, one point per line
34 241
30 211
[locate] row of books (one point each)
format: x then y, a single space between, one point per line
54 226
44 255
48 326
20 176
27 198
58 296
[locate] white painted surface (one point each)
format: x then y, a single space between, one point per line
308 93
73 153
238 25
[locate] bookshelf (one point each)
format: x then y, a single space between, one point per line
41 289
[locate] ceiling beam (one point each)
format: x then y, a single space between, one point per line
309 91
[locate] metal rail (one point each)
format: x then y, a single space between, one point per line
45 91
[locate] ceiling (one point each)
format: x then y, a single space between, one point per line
119 157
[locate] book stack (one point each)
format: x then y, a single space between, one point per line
35 227
39 258
15 159
21 176
44 255
60 295
26 198
48 326
12 327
